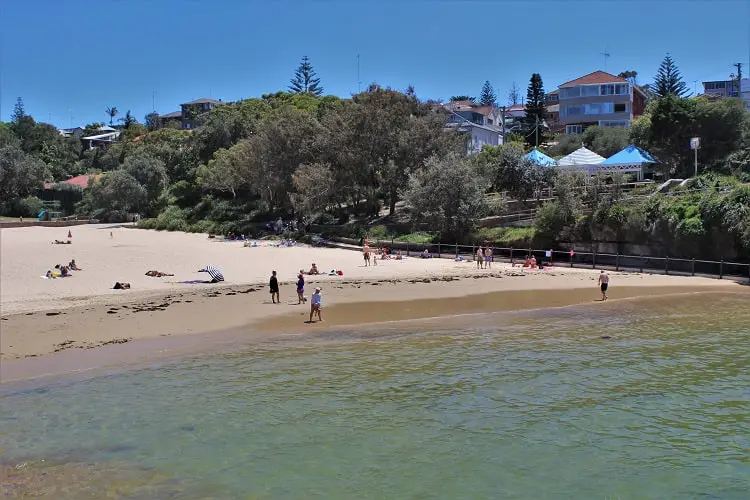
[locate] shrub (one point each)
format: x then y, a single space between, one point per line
30 206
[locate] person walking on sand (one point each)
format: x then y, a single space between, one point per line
316 305
480 258
604 284
488 257
273 285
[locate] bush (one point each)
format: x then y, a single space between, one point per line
30 206
513 237
378 233
416 237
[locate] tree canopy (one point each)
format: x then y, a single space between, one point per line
488 97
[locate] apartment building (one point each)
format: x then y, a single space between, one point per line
719 89
598 98
481 124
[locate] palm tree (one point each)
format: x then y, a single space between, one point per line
111 112
128 120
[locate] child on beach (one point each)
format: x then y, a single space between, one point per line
316 305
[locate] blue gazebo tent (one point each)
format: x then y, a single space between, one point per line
630 159
540 158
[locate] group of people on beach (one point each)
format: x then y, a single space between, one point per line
484 258
316 301
62 271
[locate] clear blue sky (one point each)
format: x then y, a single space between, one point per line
75 58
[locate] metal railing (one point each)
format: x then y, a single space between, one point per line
720 269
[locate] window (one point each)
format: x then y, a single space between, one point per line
570 92
599 108
620 107
572 110
613 123
574 129
589 90
614 89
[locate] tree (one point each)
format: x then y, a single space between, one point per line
514 95
111 112
488 97
630 76
19 111
449 193
21 174
228 169
128 120
536 110
314 186
149 172
668 80
152 121
116 191
462 98
605 141
305 80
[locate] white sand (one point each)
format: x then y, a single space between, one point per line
27 253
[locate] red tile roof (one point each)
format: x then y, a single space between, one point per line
81 181
594 78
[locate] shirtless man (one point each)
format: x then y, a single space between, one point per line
480 258
604 284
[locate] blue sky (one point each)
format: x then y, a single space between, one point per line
70 60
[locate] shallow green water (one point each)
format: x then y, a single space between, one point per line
533 405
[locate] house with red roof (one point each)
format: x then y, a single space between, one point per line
82 181
598 98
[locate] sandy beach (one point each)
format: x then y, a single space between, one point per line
41 317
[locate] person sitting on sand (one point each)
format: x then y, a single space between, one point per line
314 269
426 254
533 262
49 275
157 274
527 262
121 286
73 266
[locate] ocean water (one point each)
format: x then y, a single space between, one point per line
638 399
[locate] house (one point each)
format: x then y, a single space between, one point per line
482 124
171 117
105 136
191 110
720 89
552 102
82 181
598 98
71 132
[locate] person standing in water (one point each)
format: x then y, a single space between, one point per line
316 305
301 288
273 284
604 284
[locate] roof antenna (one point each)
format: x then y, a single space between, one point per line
606 56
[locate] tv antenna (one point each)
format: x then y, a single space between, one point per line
359 82
606 56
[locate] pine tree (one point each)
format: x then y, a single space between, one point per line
461 98
668 80
19 111
488 96
536 111
305 80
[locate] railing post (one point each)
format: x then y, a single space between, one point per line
438 252
407 248
721 269
473 253
617 262
666 264
511 257
456 250
692 270
748 273
593 260
641 262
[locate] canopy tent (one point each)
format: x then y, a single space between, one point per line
581 158
540 158
630 159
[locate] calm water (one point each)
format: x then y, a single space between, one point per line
533 405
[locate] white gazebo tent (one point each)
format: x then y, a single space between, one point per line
581 159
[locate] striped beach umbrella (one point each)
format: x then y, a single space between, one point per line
213 272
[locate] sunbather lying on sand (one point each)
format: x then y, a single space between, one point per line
61 242
121 286
157 274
